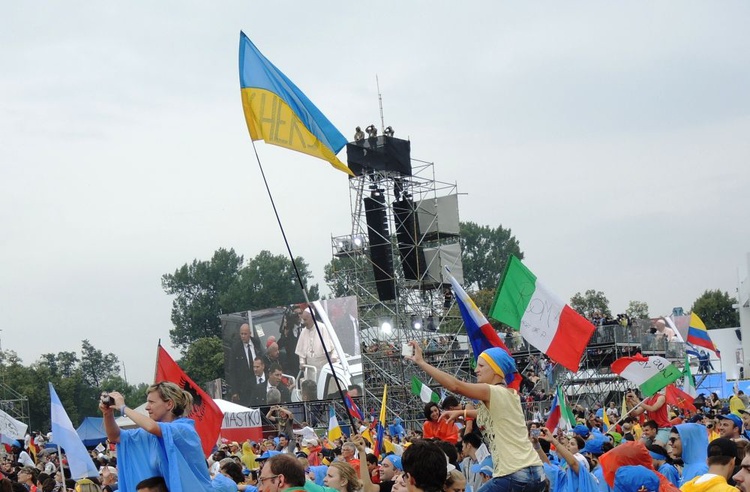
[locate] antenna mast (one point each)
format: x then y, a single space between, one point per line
380 102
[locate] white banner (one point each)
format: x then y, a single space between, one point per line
12 427
241 420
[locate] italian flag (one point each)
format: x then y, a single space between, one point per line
650 373
543 318
423 391
688 379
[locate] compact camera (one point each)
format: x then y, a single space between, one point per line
106 399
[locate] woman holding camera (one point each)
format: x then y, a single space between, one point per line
165 443
499 416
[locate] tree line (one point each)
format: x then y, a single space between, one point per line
227 283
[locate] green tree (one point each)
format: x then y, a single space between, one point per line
589 302
637 310
78 393
715 309
197 288
205 289
344 275
484 299
97 366
204 360
484 253
268 280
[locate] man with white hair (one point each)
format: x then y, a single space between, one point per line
109 478
348 451
662 330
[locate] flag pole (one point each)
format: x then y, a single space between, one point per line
302 286
156 364
628 414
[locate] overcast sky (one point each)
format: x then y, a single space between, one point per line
613 139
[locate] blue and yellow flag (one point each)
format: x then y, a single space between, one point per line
279 113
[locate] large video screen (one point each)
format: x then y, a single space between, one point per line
275 355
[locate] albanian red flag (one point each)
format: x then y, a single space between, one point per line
206 413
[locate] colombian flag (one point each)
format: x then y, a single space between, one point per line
279 113
378 447
698 335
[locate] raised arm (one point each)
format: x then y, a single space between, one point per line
451 383
561 450
143 421
364 473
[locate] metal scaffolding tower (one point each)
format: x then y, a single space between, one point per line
410 262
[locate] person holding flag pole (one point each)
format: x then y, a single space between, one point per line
501 416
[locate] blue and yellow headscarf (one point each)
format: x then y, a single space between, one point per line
501 362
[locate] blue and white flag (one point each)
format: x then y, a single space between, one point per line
64 435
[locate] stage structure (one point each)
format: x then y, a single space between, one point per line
14 405
404 231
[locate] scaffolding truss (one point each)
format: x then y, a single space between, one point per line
422 309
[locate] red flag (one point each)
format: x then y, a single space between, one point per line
678 398
205 412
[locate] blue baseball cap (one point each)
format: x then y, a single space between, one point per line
737 421
484 463
594 446
266 455
582 430
396 461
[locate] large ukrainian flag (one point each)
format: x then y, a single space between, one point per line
279 113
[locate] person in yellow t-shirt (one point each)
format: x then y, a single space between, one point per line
499 415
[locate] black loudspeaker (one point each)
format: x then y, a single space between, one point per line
380 245
412 257
379 154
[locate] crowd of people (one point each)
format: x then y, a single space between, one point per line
478 439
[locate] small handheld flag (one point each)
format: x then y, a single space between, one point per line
560 413
651 374
423 391
65 436
334 429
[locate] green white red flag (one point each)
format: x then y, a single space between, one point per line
543 318
423 391
651 374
